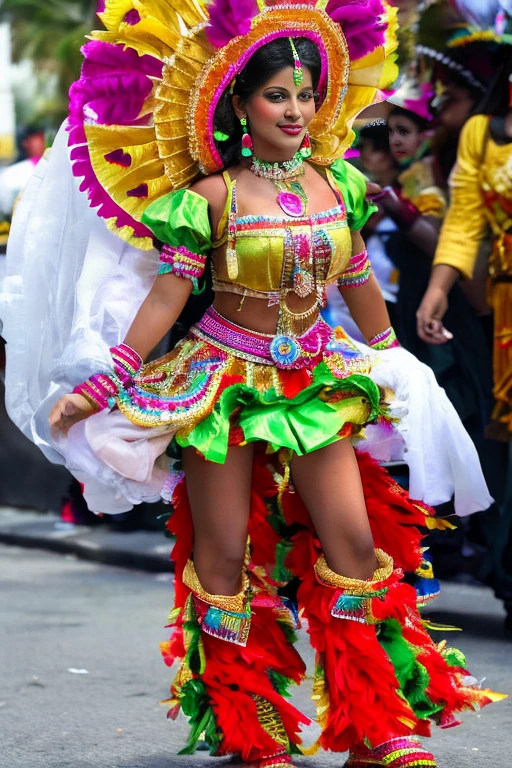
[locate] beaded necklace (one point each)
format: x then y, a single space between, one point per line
291 196
288 169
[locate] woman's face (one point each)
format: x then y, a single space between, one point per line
378 163
278 114
454 107
405 138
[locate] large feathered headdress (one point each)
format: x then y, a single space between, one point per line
142 114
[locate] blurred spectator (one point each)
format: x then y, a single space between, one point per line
31 147
377 162
461 62
482 203
381 167
417 206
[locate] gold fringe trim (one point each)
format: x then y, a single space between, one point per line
270 721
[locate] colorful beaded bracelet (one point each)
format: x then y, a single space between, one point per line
385 340
101 389
127 362
358 271
183 263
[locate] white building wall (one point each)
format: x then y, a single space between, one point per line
7 119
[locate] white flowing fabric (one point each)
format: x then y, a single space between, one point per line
71 292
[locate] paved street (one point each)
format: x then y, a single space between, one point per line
80 672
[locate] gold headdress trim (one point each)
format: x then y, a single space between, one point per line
219 71
173 141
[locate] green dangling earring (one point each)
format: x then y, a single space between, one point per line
247 145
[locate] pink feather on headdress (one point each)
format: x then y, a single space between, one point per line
362 22
229 19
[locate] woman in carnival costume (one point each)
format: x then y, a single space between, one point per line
261 392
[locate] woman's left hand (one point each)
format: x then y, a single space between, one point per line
372 190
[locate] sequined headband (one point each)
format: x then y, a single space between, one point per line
379 121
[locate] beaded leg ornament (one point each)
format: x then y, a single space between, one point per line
227 617
270 720
353 598
282 760
401 752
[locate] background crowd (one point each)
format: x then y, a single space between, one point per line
456 63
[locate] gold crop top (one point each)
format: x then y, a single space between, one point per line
266 254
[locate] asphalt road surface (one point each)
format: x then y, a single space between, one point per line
81 675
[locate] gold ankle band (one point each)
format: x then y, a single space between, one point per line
231 603
355 586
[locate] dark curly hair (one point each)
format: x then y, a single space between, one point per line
266 62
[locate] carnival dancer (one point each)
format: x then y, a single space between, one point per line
217 131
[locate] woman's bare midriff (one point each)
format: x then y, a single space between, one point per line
255 314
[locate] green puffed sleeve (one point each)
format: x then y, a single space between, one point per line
180 220
352 185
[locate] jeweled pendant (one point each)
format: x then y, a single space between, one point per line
303 283
291 204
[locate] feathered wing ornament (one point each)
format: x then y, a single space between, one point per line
142 114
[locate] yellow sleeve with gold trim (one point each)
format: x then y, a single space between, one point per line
466 222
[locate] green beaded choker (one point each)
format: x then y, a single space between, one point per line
289 169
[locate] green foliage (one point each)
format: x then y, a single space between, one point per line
50 34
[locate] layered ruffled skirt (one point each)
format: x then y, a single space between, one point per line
224 385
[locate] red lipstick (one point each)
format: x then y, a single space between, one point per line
291 130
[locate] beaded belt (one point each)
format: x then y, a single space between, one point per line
266 349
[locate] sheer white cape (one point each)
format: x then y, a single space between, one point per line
71 291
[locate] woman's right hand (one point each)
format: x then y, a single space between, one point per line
69 410
429 316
